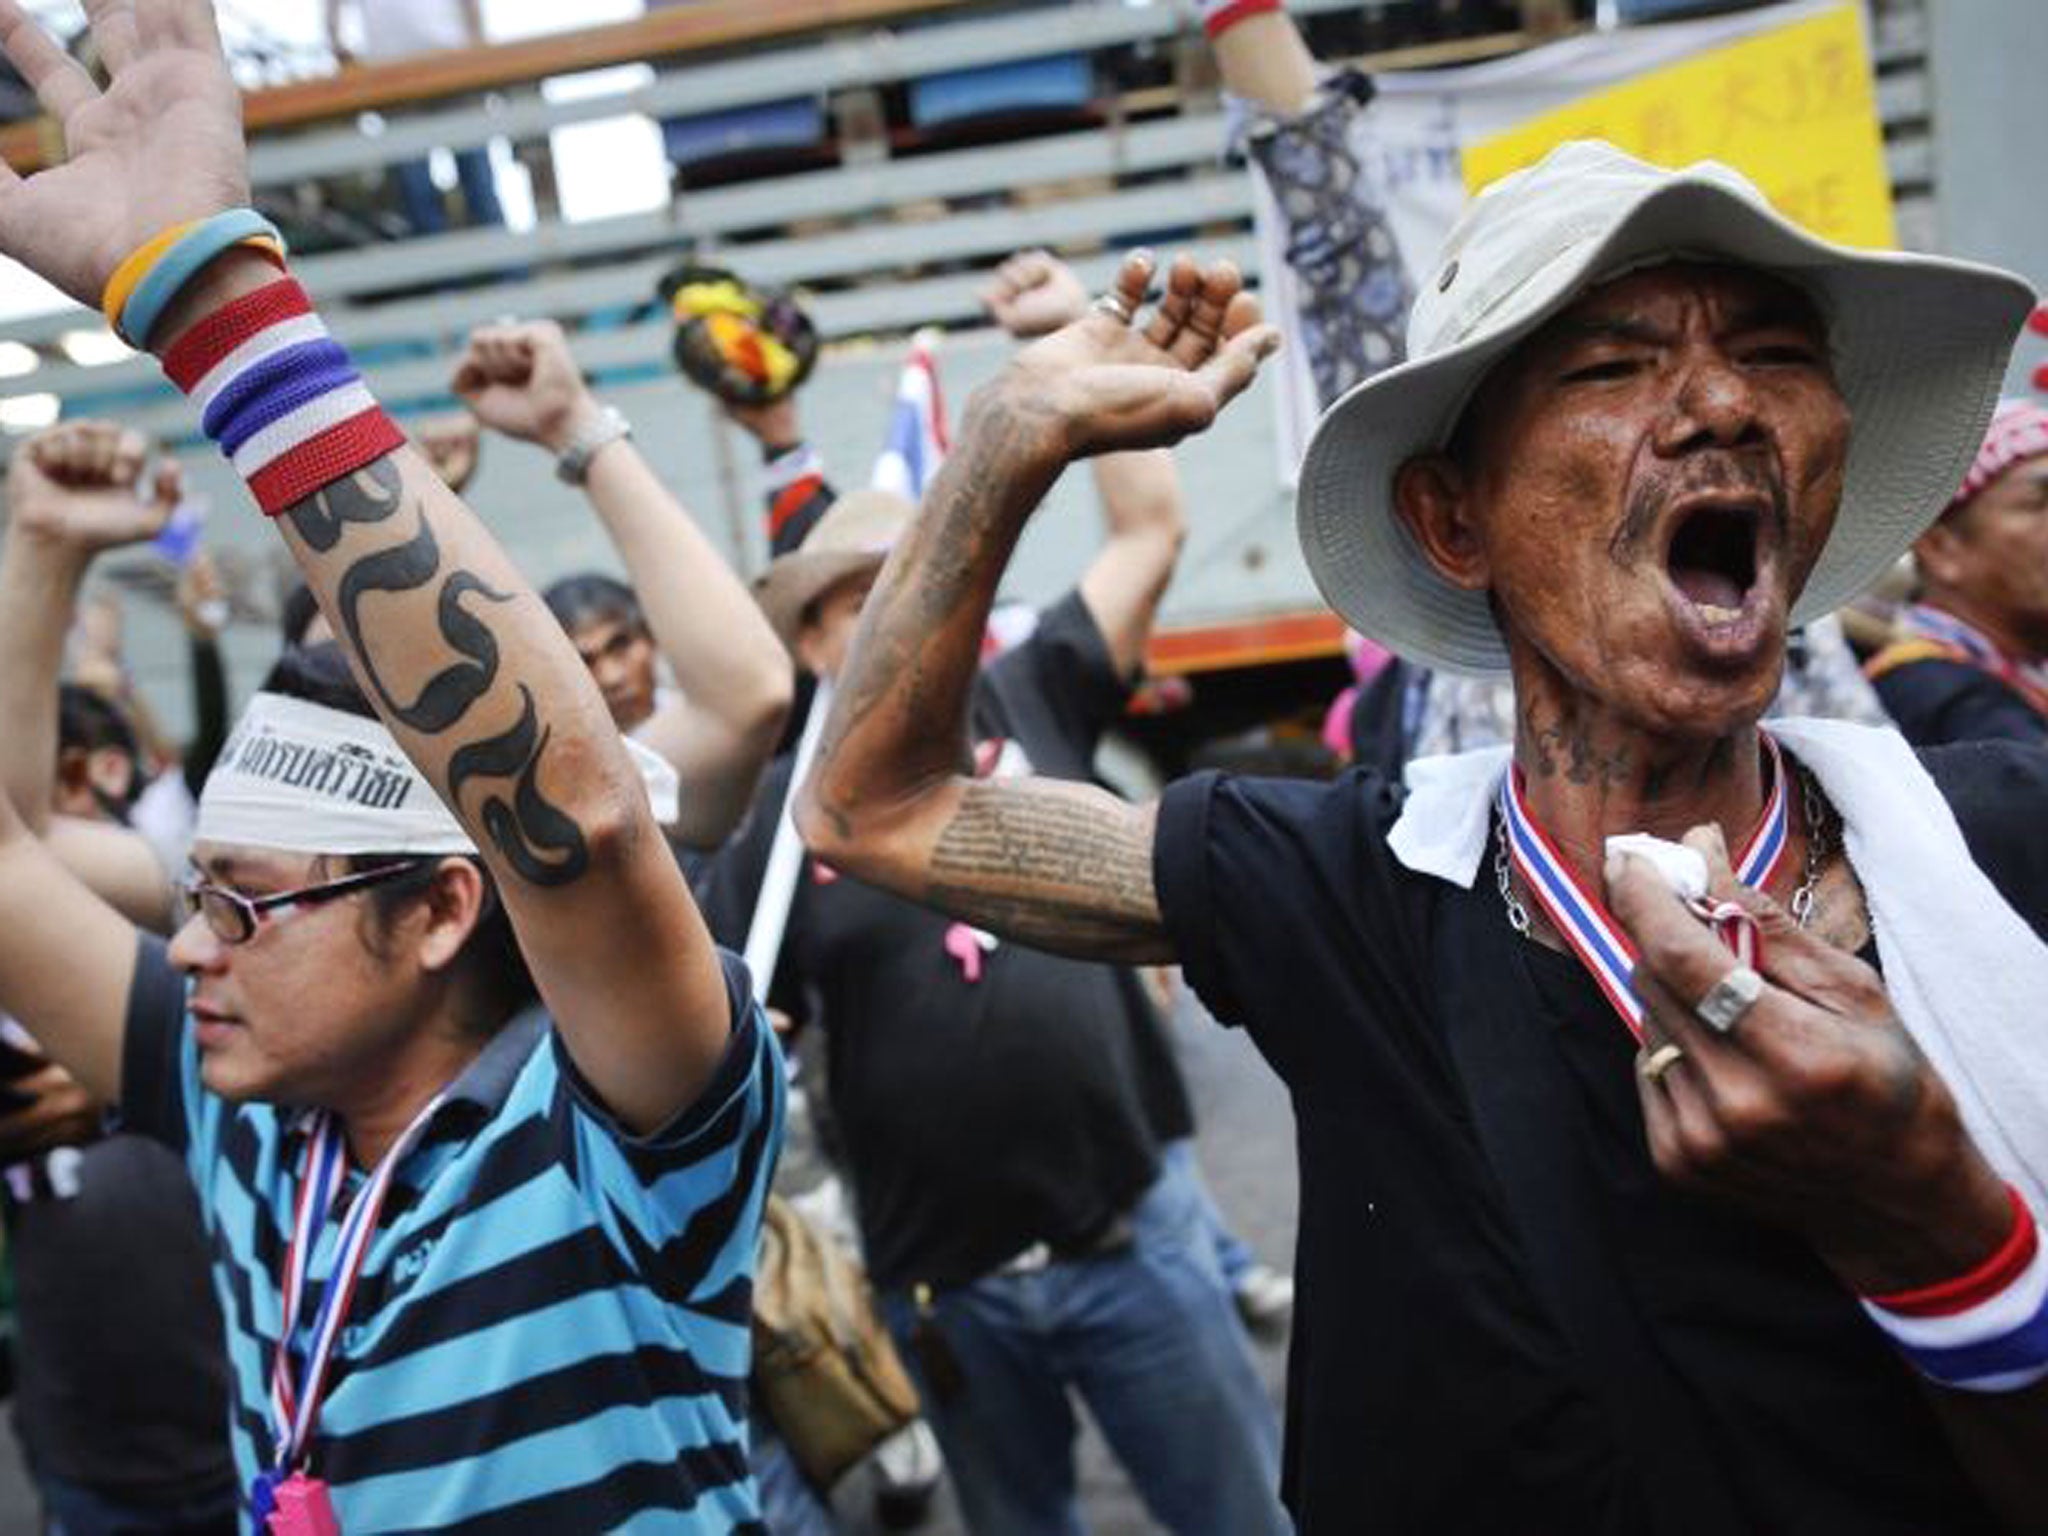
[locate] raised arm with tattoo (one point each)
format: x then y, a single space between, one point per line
1062 866
465 665
733 673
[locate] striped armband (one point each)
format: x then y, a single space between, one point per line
1219 16
1986 1331
279 396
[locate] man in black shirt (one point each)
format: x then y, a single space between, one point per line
1003 1111
1972 664
1551 1279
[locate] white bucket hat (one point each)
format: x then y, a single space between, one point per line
1920 344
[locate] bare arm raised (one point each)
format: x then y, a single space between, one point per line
733 672
72 491
1062 866
465 665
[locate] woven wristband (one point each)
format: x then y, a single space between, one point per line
155 273
1219 16
279 396
1985 1331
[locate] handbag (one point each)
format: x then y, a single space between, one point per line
825 1369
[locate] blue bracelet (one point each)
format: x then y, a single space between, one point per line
183 262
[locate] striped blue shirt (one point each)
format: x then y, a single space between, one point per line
551 1331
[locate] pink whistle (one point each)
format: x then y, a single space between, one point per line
304 1508
966 945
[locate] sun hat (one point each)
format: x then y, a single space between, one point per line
853 536
1920 344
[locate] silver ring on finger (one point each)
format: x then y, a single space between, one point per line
1660 1061
1729 999
1113 305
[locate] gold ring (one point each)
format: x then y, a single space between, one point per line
1662 1060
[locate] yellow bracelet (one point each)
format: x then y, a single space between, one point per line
135 266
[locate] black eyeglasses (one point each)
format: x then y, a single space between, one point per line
234 917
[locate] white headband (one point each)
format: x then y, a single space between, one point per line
304 778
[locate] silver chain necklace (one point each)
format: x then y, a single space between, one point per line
1812 801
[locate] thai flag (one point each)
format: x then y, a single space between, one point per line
917 442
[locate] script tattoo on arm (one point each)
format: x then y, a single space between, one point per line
537 839
1063 867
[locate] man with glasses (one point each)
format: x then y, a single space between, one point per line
480 1264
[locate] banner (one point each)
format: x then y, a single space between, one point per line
1793 108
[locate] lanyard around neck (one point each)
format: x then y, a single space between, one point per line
1580 917
295 1406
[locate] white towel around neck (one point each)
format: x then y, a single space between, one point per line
1967 976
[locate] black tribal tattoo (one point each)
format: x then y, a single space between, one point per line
369 495
448 693
541 842
530 827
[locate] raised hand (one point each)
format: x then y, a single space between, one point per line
1114 383
521 380
160 145
450 443
1033 294
1815 1111
81 483
774 425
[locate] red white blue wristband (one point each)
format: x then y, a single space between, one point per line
1219 16
1986 1331
279 396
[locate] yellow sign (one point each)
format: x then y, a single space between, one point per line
1792 108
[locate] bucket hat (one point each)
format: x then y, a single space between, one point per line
853 536
1919 345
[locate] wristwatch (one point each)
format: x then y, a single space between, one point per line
608 426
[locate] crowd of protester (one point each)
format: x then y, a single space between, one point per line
392 1129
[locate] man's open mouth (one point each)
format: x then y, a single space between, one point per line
1712 559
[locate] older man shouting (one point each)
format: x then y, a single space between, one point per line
1621 1210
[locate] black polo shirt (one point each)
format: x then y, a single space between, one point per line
979 1117
1507 1320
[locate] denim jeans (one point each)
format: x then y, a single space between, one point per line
1149 1340
790 1506
421 201
1233 1254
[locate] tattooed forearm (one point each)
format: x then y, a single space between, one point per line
448 694
536 838
369 495
1064 867
901 713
